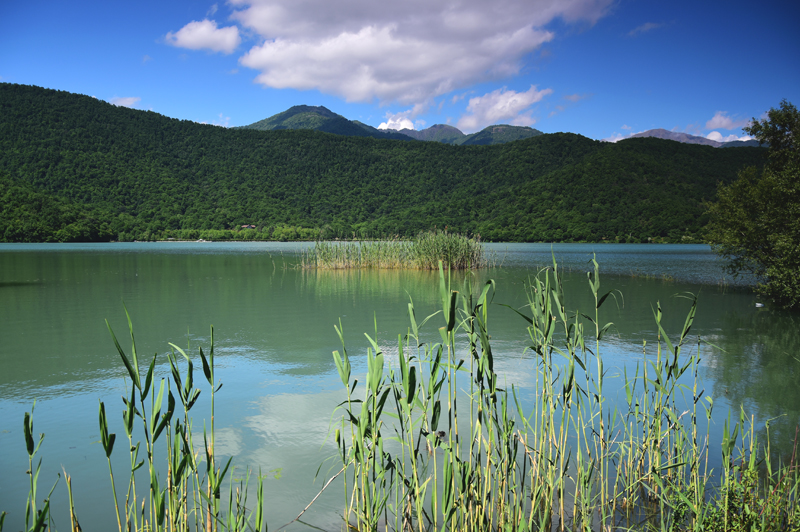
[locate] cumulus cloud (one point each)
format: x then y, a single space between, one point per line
616 137
721 120
644 28
717 136
626 127
205 34
406 52
129 101
397 121
501 106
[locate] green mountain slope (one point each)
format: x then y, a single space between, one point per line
499 134
436 133
320 119
72 160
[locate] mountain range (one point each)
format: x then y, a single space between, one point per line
322 119
693 139
75 168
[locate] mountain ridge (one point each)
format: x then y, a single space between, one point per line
686 138
319 118
74 168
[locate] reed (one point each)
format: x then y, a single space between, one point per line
420 454
184 493
423 252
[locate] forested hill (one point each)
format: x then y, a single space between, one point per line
76 168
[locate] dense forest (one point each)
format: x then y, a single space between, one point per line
74 168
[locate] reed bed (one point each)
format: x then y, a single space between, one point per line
423 252
182 493
437 444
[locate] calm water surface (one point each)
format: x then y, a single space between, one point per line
274 336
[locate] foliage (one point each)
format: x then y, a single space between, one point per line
137 175
755 223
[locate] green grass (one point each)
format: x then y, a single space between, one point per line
423 252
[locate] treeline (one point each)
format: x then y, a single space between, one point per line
76 168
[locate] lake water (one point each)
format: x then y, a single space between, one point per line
274 337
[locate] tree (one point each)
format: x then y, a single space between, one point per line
755 223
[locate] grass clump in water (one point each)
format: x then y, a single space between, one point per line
423 252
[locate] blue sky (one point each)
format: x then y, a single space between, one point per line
602 68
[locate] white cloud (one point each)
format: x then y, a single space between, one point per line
212 10
406 52
146 58
397 121
129 101
223 121
501 106
204 34
626 127
717 136
616 137
721 120
644 28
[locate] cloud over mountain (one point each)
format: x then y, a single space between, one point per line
204 34
128 101
404 52
501 106
721 120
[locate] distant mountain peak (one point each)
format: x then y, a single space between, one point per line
677 136
692 139
320 118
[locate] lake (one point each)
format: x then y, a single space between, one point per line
274 334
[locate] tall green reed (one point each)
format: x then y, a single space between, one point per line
188 497
417 459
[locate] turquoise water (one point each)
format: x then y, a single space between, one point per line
274 337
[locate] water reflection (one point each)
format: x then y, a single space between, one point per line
758 366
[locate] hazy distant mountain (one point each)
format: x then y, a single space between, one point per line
321 119
677 136
741 143
438 133
499 134
693 139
